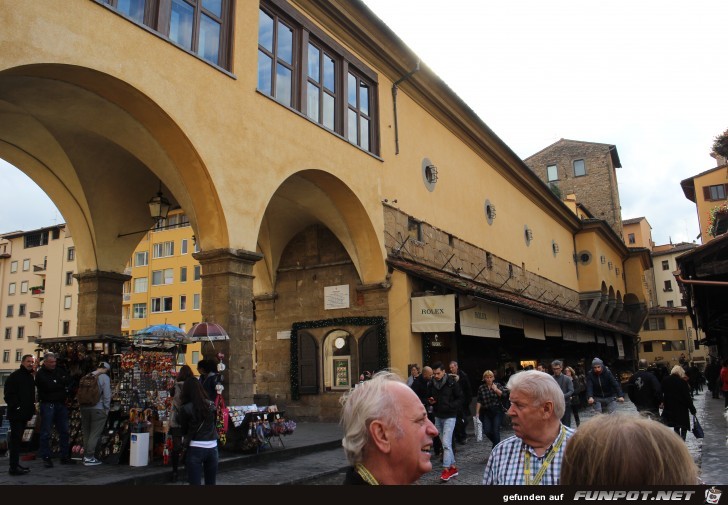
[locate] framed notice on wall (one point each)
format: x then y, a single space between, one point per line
342 373
336 297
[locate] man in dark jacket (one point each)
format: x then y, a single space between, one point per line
602 389
446 399
645 391
712 372
461 422
20 398
420 385
52 383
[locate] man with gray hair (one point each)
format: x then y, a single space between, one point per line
53 384
93 417
567 386
533 455
387 435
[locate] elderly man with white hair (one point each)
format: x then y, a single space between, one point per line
533 455
387 435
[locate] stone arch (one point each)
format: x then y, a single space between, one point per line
316 197
99 148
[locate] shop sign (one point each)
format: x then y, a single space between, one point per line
620 346
552 328
570 333
533 328
510 318
480 321
433 313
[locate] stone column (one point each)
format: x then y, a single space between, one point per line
227 299
99 302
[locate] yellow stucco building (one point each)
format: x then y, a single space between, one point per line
342 197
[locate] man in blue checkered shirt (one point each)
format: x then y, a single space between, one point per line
533 455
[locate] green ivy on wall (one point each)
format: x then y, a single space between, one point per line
379 322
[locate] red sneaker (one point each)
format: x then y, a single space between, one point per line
449 473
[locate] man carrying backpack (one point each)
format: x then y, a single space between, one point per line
93 415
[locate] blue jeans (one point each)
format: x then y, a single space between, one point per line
199 460
492 421
53 414
445 427
601 403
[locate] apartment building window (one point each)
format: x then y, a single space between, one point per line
36 239
141 285
71 254
197 272
182 302
665 265
11 288
716 192
195 357
552 173
160 277
139 311
647 346
183 246
680 324
631 238
21 310
13 267
69 278
26 265
21 332
163 249
305 76
196 301
141 259
202 27
8 333
670 303
321 86
579 168
66 327
9 311
183 274
67 300
668 285
162 304
654 324
24 287
6 356
18 355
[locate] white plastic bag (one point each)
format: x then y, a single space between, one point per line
478 427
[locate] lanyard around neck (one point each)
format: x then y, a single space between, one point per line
366 475
549 458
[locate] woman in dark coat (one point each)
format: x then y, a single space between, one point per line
677 401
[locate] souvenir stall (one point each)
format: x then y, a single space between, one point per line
259 426
81 355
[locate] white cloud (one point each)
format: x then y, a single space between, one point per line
25 205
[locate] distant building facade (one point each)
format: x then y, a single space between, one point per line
586 169
38 293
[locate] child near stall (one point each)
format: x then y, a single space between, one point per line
175 429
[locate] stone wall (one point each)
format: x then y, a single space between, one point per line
441 250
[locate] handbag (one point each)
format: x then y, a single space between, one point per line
478 426
697 429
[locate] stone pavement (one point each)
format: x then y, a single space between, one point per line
313 456
709 453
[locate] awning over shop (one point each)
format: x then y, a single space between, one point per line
553 329
620 345
480 321
433 313
533 328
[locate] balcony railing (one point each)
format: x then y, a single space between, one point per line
35 314
124 322
39 268
127 297
37 291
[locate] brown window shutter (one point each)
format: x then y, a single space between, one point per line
725 190
706 192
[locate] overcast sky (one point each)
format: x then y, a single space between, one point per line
648 76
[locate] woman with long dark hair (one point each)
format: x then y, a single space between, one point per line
175 429
197 418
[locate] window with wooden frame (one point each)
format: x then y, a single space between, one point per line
202 27
304 69
715 192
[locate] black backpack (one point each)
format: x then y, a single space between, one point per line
89 392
